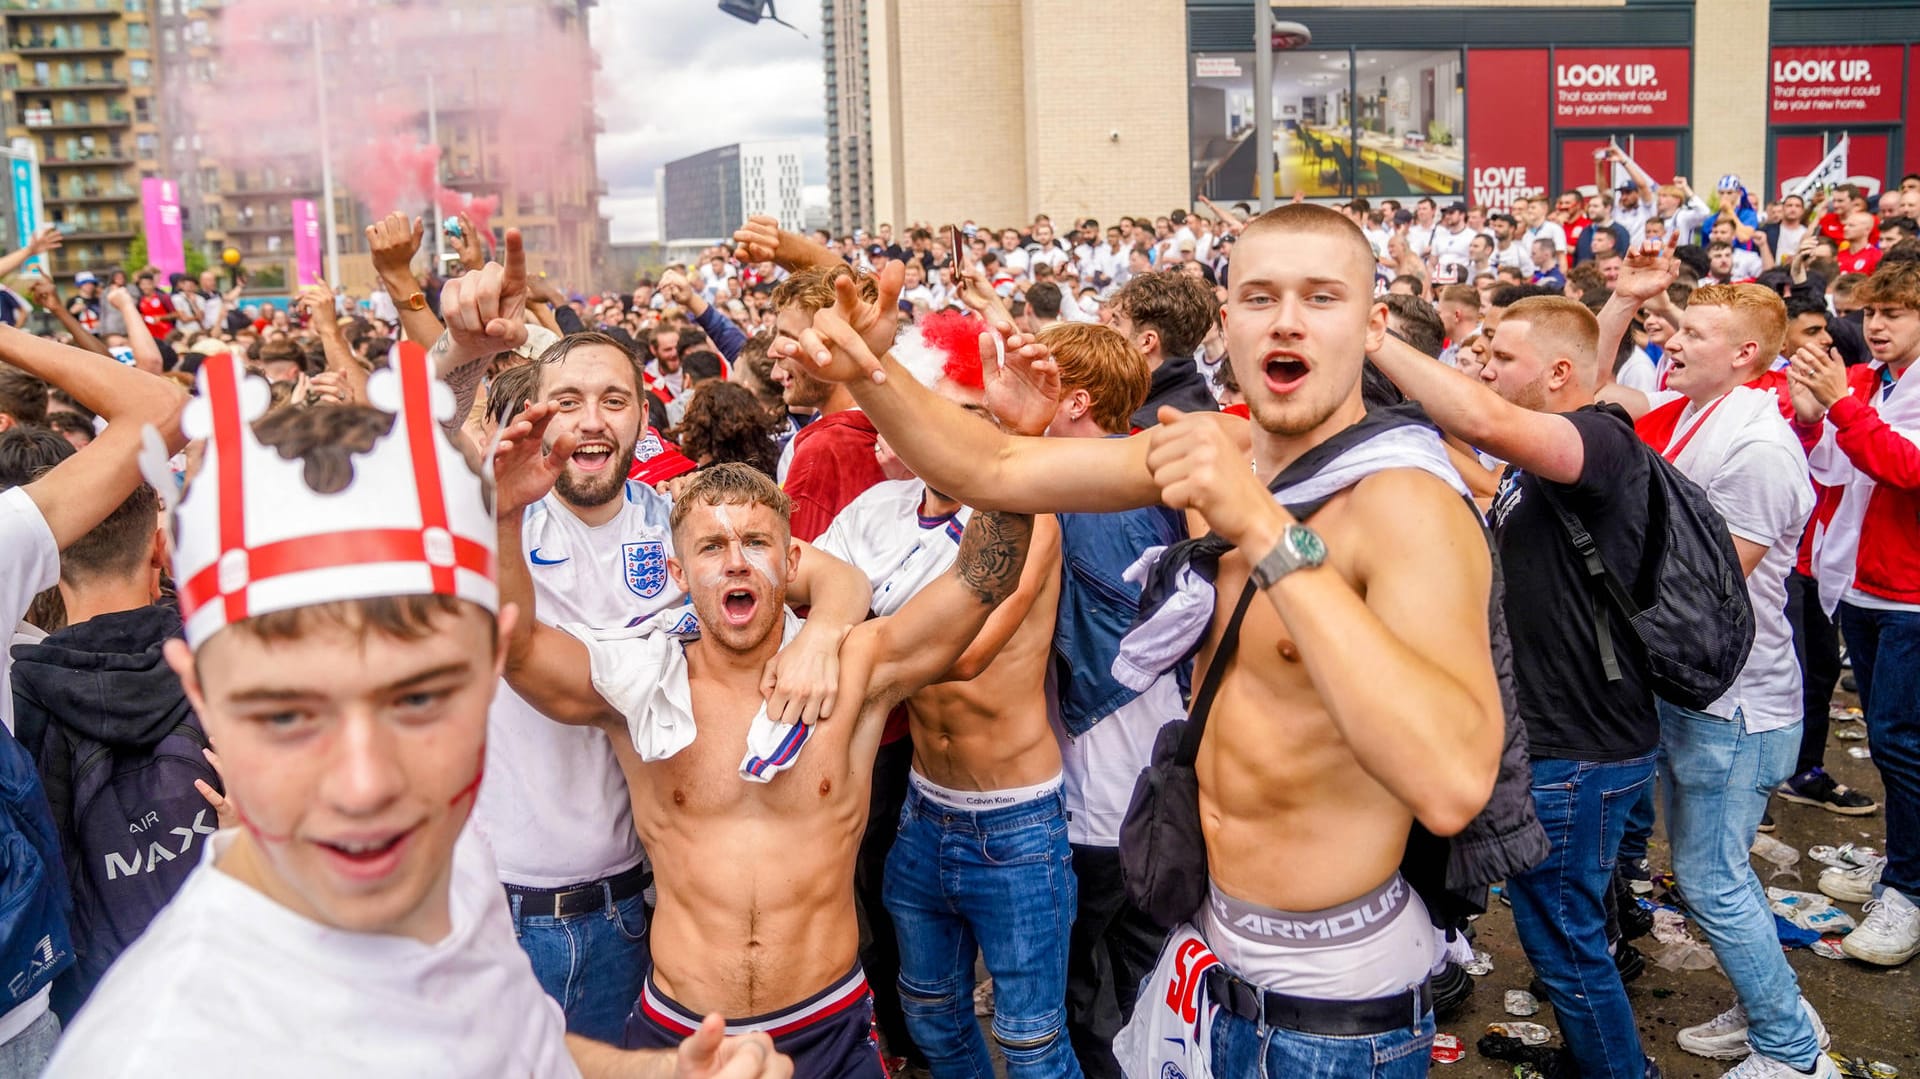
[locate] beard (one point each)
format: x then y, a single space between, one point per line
599 488
1532 396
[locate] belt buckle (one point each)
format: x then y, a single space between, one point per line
1246 1000
560 899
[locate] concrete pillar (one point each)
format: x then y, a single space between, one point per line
1730 94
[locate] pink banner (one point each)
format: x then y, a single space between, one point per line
306 244
165 249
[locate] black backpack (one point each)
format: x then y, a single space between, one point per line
1697 628
135 827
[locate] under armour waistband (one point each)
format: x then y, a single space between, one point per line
1347 923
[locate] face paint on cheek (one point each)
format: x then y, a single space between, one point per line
473 788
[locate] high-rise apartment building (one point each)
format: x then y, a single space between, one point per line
80 82
552 197
843 48
709 195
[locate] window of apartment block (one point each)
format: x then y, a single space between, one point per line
136 35
169 41
139 70
143 109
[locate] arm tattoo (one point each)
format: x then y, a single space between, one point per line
992 552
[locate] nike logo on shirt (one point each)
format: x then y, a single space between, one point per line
535 558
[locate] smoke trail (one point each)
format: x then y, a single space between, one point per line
512 74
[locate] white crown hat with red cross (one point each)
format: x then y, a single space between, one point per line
250 537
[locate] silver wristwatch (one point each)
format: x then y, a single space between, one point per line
1300 547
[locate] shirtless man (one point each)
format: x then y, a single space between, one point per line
754 870
982 855
1362 697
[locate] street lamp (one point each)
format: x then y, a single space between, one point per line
1269 37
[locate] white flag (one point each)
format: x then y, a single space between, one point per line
1831 170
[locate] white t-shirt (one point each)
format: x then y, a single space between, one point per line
882 534
1101 765
1452 246
1790 237
1015 260
31 566
555 805
1546 230
1640 372
1762 488
227 982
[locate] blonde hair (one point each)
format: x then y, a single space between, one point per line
1100 360
1759 305
730 484
812 288
1558 326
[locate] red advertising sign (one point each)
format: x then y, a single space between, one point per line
1506 125
1838 85
1622 87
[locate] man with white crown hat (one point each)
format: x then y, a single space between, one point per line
336 578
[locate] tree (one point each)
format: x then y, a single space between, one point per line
136 259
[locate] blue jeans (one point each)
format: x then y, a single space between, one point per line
1242 1049
1885 646
1633 845
593 964
1717 779
999 881
1560 907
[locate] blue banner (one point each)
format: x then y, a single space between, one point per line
26 181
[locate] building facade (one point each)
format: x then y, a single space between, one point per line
707 196
843 48
247 207
1489 101
82 85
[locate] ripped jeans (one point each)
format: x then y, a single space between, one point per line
999 881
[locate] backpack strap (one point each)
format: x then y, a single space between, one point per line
1599 575
1210 685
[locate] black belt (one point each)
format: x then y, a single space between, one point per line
1335 1018
583 898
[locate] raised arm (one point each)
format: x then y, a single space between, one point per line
919 642
802 681
42 293
47 239
547 667
394 241
1643 282
955 451
80 491
317 301
762 239
1037 578
146 351
1543 443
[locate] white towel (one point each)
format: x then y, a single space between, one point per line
642 672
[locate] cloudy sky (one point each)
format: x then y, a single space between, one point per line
679 76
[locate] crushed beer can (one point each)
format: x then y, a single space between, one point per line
1447 1049
1521 1002
1481 966
1527 1033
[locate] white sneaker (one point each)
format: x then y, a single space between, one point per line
1759 1067
1853 885
1891 934
1724 1037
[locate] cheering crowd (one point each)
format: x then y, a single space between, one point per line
1062 593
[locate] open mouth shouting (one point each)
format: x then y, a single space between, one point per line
367 856
737 606
592 456
1285 372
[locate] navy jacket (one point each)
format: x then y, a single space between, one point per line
1097 607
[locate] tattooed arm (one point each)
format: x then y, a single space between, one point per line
922 640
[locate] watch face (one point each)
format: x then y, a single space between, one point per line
1307 545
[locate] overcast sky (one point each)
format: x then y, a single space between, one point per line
679 76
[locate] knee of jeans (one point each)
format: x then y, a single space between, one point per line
933 998
1030 1040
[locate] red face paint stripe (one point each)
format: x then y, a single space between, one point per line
416 385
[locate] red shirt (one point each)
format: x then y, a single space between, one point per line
1834 229
1861 260
157 312
833 462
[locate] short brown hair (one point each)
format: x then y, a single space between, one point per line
1464 295
730 484
813 288
557 353
23 397
1560 326
511 390
1305 217
1893 284
1179 308
1758 303
119 546
1100 360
